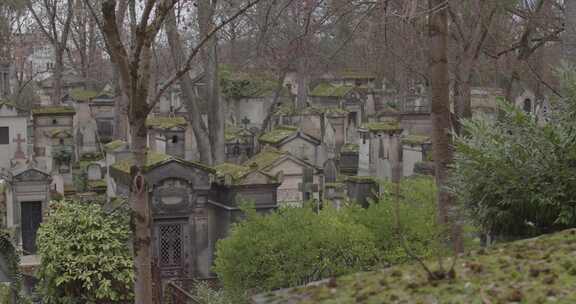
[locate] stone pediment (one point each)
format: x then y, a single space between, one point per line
31 174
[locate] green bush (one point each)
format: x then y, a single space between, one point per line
517 177
85 255
290 247
417 218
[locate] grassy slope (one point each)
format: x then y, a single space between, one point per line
540 270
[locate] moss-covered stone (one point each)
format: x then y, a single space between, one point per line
278 134
231 134
540 270
290 110
233 170
54 110
384 126
413 139
114 145
328 90
82 95
97 184
165 123
60 132
240 84
152 159
265 158
361 179
350 148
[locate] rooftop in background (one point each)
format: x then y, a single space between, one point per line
165 123
52 110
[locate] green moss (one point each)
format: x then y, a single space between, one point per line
351 74
240 84
265 158
328 90
53 110
337 186
233 133
83 95
362 179
415 139
289 110
350 148
385 126
114 145
97 184
165 123
237 172
540 270
278 134
152 159
60 132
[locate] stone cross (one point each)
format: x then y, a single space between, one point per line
19 154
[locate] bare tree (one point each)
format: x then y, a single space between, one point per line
569 39
134 66
54 19
471 22
441 126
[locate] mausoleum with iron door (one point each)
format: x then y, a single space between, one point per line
193 206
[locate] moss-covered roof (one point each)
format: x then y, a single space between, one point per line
82 94
539 270
328 90
114 145
289 109
265 158
350 148
154 159
53 110
233 133
352 74
235 171
164 123
278 134
242 84
383 126
8 103
413 139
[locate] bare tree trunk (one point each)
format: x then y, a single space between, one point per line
569 39
441 134
212 93
462 95
302 82
141 217
189 97
57 74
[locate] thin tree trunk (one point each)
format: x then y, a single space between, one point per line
189 97
302 82
441 134
569 39
212 93
141 217
57 75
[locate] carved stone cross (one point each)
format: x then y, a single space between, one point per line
19 154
